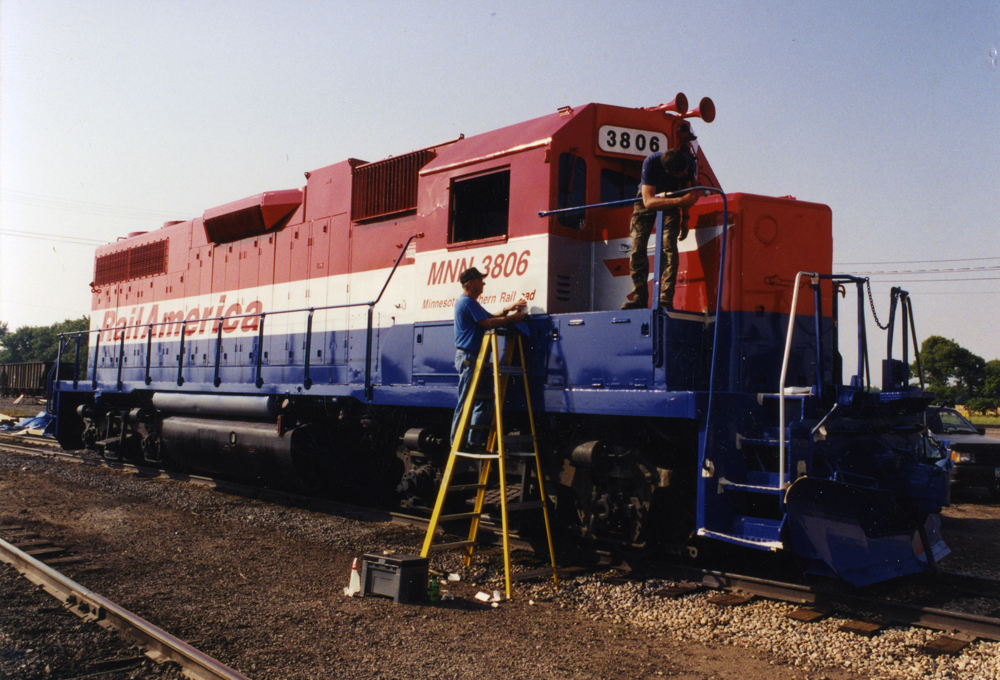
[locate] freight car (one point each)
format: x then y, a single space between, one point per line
306 335
29 377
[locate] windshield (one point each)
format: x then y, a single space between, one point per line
952 422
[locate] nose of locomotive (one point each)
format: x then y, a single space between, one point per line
844 530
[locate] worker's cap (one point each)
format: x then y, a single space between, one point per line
470 274
686 127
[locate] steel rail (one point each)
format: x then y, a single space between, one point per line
92 607
898 612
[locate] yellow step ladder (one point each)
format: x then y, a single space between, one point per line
496 450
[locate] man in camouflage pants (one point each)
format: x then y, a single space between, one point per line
661 173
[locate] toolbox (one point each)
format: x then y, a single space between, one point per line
401 577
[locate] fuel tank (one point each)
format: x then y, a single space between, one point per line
254 451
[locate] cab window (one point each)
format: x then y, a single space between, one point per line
572 189
480 206
617 185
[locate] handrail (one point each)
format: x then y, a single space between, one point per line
863 361
219 320
608 204
306 380
784 373
369 389
913 333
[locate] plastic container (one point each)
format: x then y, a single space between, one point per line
401 577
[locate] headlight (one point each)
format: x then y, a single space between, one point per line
963 457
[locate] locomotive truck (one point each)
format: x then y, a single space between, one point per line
305 336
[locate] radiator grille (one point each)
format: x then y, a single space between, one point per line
387 188
148 259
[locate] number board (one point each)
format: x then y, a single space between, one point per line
616 139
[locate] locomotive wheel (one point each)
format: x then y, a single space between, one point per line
615 503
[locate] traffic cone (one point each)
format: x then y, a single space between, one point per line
355 586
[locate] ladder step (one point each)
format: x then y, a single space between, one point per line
466 487
478 456
742 540
452 546
458 515
750 487
790 393
757 529
755 482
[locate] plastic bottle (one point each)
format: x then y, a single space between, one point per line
434 591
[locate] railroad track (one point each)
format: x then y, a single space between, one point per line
825 599
88 605
817 598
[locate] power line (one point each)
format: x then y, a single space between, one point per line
963 259
53 237
925 293
88 208
934 271
981 278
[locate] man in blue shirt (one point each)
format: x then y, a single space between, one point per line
471 324
661 173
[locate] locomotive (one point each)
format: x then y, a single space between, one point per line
305 336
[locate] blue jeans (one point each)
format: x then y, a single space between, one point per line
465 364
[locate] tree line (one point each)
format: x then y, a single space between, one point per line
957 376
39 343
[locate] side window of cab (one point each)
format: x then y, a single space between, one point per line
480 206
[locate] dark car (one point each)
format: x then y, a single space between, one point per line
976 456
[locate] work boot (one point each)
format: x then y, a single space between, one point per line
635 303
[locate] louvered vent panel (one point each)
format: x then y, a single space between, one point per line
149 259
388 187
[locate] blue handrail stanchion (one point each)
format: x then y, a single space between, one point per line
306 380
149 354
217 380
180 357
260 352
97 349
76 363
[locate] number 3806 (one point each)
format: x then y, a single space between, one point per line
625 140
505 266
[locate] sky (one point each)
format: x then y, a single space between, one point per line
117 116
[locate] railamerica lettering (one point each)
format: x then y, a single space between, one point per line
138 323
